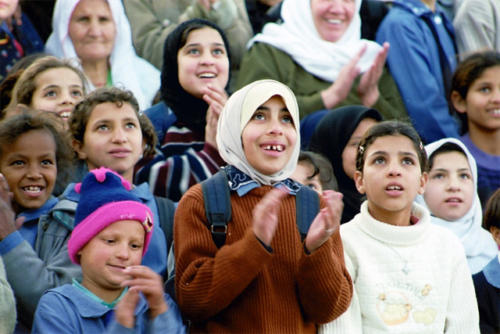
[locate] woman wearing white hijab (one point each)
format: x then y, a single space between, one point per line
264 279
103 44
479 245
318 52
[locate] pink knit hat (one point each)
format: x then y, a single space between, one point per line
105 198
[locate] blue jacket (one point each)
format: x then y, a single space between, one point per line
67 309
487 284
414 63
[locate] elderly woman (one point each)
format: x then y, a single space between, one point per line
318 52
97 32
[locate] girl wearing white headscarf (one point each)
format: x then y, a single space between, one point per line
264 278
479 245
125 68
296 53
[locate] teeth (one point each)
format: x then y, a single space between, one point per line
32 189
278 148
207 75
334 21
495 112
65 114
394 188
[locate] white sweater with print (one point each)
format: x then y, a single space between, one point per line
411 279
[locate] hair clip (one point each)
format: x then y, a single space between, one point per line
361 149
421 146
147 223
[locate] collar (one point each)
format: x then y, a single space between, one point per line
92 296
417 7
243 184
36 213
492 272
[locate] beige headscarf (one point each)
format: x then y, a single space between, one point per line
237 112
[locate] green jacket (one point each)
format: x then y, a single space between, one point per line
263 61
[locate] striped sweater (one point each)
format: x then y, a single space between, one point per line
244 288
185 159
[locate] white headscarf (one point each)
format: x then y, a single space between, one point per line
479 245
238 110
298 37
127 69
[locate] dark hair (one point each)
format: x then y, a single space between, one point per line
81 114
390 128
322 167
492 212
468 71
445 148
29 120
188 109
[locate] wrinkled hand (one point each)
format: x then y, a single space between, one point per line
8 223
339 89
148 282
216 98
16 17
368 85
326 222
265 215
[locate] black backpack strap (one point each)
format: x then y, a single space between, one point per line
166 211
307 207
217 205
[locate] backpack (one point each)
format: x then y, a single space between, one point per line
216 197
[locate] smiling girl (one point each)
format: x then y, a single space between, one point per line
264 278
51 85
476 97
409 275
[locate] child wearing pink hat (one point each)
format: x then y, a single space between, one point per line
117 294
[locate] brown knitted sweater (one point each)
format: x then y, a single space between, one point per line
242 287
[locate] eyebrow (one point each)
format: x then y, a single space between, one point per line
263 107
447 170
403 153
199 44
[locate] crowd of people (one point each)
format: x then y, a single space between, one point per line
257 166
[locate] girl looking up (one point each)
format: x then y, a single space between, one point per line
263 264
409 275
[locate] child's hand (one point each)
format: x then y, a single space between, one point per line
148 282
125 309
216 98
326 222
265 215
8 223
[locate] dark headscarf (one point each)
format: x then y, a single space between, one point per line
189 110
330 138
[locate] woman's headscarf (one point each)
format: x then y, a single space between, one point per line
127 69
298 37
189 110
330 139
238 110
479 245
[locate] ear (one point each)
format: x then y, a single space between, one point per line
78 147
458 102
358 180
495 232
423 181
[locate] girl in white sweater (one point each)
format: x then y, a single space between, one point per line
409 276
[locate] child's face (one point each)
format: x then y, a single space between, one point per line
57 90
303 173
203 61
269 137
450 190
29 165
391 177
482 103
105 256
112 139
7 9
351 149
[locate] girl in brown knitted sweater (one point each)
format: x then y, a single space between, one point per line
264 279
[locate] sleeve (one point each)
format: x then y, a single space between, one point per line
462 313
410 66
323 280
263 61
208 279
31 275
171 176
475 27
53 316
7 304
150 30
